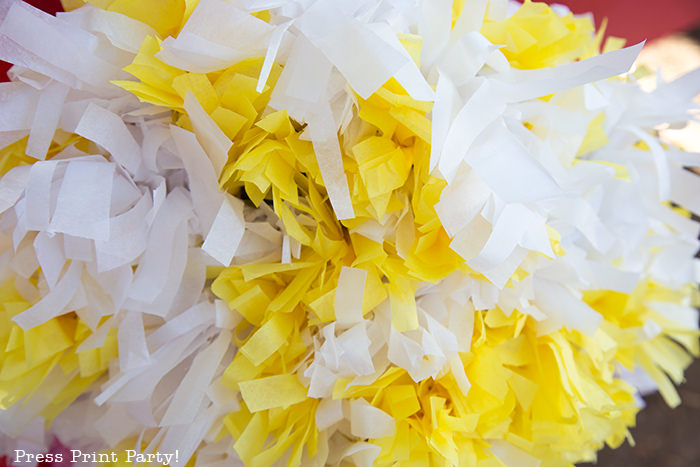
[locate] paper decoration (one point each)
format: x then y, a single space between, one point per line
312 233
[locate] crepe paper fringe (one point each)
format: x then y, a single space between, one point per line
314 233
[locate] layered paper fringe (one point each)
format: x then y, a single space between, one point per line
259 232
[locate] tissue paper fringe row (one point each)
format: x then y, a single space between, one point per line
360 232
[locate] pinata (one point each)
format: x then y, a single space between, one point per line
337 232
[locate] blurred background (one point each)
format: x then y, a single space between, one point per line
664 437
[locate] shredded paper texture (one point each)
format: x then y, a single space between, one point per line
337 232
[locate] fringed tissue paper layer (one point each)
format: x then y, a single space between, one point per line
313 233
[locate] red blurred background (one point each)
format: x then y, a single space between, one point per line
638 20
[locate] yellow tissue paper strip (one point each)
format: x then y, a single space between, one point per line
46 355
535 36
273 391
165 16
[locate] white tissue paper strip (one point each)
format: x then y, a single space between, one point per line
213 140
48 111
367 421
330 161
53 303
368 64
109 131
186 400
226 232
82 207
12 185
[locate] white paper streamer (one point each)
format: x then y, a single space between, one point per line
108 130
367 421
48 111
226 232
330 161
213 140
368 64
83 202
12 185
191 391
53 303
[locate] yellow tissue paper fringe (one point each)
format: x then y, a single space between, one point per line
165 16
43 361
13 155
555 397
537 37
